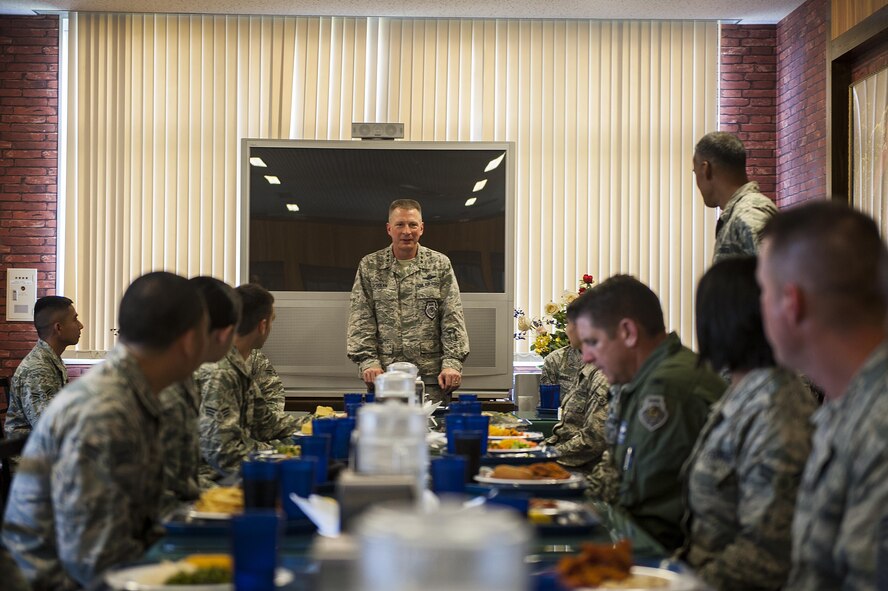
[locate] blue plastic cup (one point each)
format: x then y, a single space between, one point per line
479 423
351 408
353 397
456 408
317 447
370 397
260 483
342 438
472 407
550 396
254 541
296 476
453 423
467 443
323 426
468 397
448 475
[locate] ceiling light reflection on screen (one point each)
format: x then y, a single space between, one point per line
257 161
479 185
495 162
471 201
272 180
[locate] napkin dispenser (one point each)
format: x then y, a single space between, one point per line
526 384
357 492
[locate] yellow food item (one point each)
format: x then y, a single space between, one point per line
209 560
324 411
223 499
512 444
306 428
503 431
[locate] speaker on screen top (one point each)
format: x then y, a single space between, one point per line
378 131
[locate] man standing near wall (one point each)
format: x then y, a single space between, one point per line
720 170
41 374
405 306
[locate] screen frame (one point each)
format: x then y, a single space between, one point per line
323 380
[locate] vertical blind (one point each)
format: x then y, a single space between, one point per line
604 115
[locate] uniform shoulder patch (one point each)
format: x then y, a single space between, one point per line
431 309
653 413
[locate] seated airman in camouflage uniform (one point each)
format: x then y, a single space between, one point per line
822 270
742 477
87 493
268 380
180 403
234 420
405 306
720 170
41 374
660 401
579 435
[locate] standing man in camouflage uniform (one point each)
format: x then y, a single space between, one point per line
180 403
41 374
561 366
720 170
663 402
234 421
824 309
743 475
87 493
405 306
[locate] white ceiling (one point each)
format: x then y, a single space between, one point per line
743 11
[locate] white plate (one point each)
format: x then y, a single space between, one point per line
194 514
532 435
561 507
150 577
522 450
669 581
574 479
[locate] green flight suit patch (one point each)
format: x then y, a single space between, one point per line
653 413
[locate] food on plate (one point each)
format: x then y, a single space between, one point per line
320 412
208 560
512 444
223 499
291 451
596 564
503 431
541 471
205 575
542 511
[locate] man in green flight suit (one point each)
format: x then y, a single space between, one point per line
659 402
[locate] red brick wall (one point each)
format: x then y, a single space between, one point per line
748 97
802 39
29 83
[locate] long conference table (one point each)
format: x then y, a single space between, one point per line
296 547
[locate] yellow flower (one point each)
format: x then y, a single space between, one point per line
551 308
569 297
524 323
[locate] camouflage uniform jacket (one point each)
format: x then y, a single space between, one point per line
268 380
270 422
742 479
230 426
739 228
837 539
561 367
658 416
180 409
407 314
39 376
87 492
579 435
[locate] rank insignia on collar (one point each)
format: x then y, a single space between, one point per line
653 413
431 309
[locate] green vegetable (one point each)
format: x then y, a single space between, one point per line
289 450
207 575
